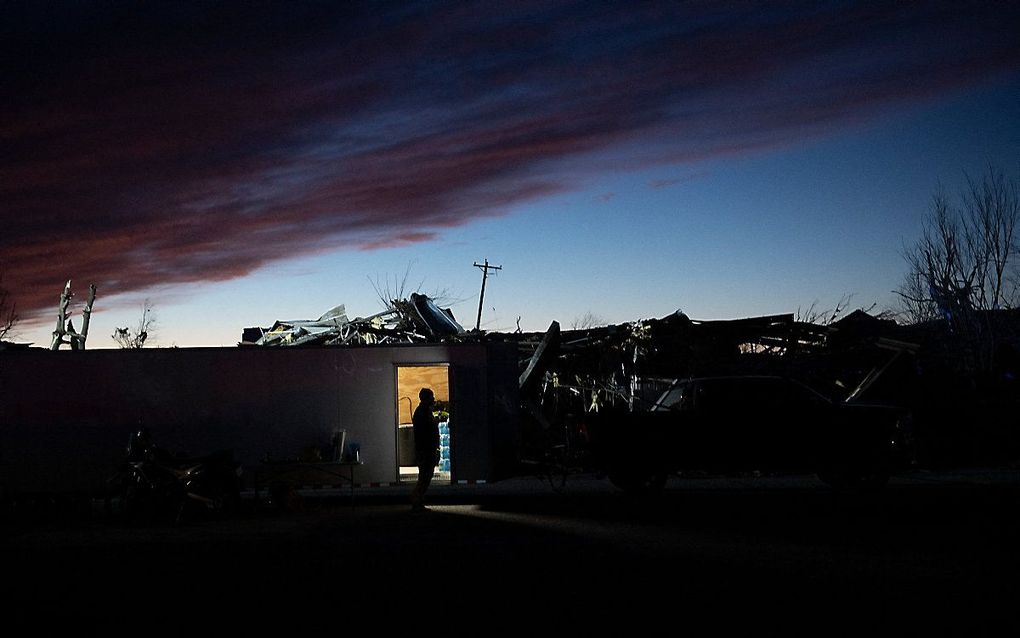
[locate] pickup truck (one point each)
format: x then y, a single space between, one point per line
750 423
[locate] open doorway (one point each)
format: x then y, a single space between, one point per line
411 379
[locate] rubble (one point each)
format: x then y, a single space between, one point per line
629 362
414 320
862 358
627 365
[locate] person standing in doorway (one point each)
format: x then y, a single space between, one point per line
426 446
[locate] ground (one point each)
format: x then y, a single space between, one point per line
931 548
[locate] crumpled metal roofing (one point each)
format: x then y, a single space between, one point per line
414 320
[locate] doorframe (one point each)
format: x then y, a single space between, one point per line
396 415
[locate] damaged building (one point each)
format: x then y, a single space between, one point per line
290 389
354 381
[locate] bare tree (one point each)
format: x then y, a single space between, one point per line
134 339
396 288
586 321
8 310
964 266
992 208
393 288
965 260
64 331
814 314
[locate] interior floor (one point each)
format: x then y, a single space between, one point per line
410 475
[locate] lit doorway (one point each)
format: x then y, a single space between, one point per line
410 380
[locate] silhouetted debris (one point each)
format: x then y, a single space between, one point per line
861 358
413 320
632 361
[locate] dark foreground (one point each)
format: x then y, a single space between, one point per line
932 550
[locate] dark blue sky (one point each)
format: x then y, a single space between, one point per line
240 163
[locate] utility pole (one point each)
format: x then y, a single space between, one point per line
485 275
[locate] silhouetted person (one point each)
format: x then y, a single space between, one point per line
426 446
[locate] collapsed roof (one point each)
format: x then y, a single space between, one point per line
414 320
844 354
632 362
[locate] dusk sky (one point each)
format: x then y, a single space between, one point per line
239 163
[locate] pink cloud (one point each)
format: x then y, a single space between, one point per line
166 153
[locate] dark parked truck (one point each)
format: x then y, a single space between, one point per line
750 423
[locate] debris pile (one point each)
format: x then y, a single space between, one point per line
414 320
860 358
627 365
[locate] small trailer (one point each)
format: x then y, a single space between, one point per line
66 416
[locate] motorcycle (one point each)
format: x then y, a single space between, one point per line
157 485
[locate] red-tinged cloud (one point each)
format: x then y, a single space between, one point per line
176 144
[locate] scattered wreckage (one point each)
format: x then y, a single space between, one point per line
567 377
628 364
414 320
519 396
